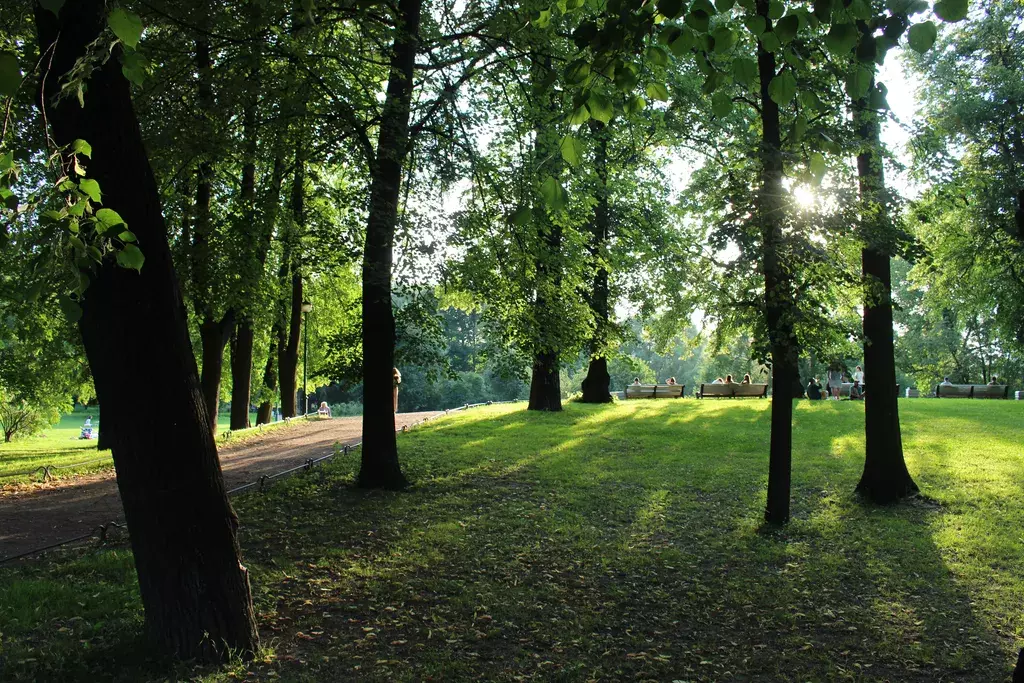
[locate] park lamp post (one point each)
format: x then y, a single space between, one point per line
306 308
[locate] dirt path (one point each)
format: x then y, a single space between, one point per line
39 516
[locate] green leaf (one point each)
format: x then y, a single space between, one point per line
770 41
90 188
787 28
126 26
135 67
858 82
681 45
579 115
522 216
572 150
543 19
72 311
551 190
744 71
131 257
877 97
82 147
657 55
109 218
755 24
776 8
670 8
52 5
951 10
635 104
782 88
699 20
10 74
817 166
127 236
601 107
703 6
799 129
657 91
922 36
721 104
823 10
725 38
841 38
577 72
859 9
724 5
626 78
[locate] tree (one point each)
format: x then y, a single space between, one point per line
193 586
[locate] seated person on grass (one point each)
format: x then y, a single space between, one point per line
813 390
856 391
324 410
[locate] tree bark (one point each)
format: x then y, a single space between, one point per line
265 413
1018 671
595 385
777 291
241 374
545 382
182 529
214 335
288 346
379 467
885 478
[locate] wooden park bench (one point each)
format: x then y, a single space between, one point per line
972 391
654 390
734 390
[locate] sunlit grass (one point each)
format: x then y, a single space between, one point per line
620 542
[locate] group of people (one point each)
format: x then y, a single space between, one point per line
728 380
671 381
992 382
835 378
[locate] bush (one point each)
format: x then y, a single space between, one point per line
346 409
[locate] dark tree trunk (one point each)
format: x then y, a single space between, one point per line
777 290
194 588
265 413
241 374
885 478
595 385
288 346
380 467
1018 671
215 335
545 383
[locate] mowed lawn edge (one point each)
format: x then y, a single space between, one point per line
619 542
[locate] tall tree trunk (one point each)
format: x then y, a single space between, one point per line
380 467
194 588
265 413
777 292
214 335
545 382
885 478
1018 671
595 385
288 346
241 373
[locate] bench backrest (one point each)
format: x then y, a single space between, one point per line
954 390
990 391
654 390
734 389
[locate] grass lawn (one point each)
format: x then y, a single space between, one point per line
59 445
619 542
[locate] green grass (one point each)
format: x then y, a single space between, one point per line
59 445
618 542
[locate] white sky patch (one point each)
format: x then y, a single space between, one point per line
902 97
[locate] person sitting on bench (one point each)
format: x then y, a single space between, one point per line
746 379
636 381
671 381
994 381
719 380
728 379
324 410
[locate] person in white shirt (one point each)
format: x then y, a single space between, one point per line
858 375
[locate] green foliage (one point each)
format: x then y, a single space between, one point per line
126 26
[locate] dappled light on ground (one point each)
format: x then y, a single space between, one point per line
621 542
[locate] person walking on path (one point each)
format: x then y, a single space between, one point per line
397 379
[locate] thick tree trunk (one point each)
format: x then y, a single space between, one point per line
182 528
265 413
288 350
885 478
595 385
1018 671
380 467
545 383
777 291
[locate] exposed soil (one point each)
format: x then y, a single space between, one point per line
44 514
